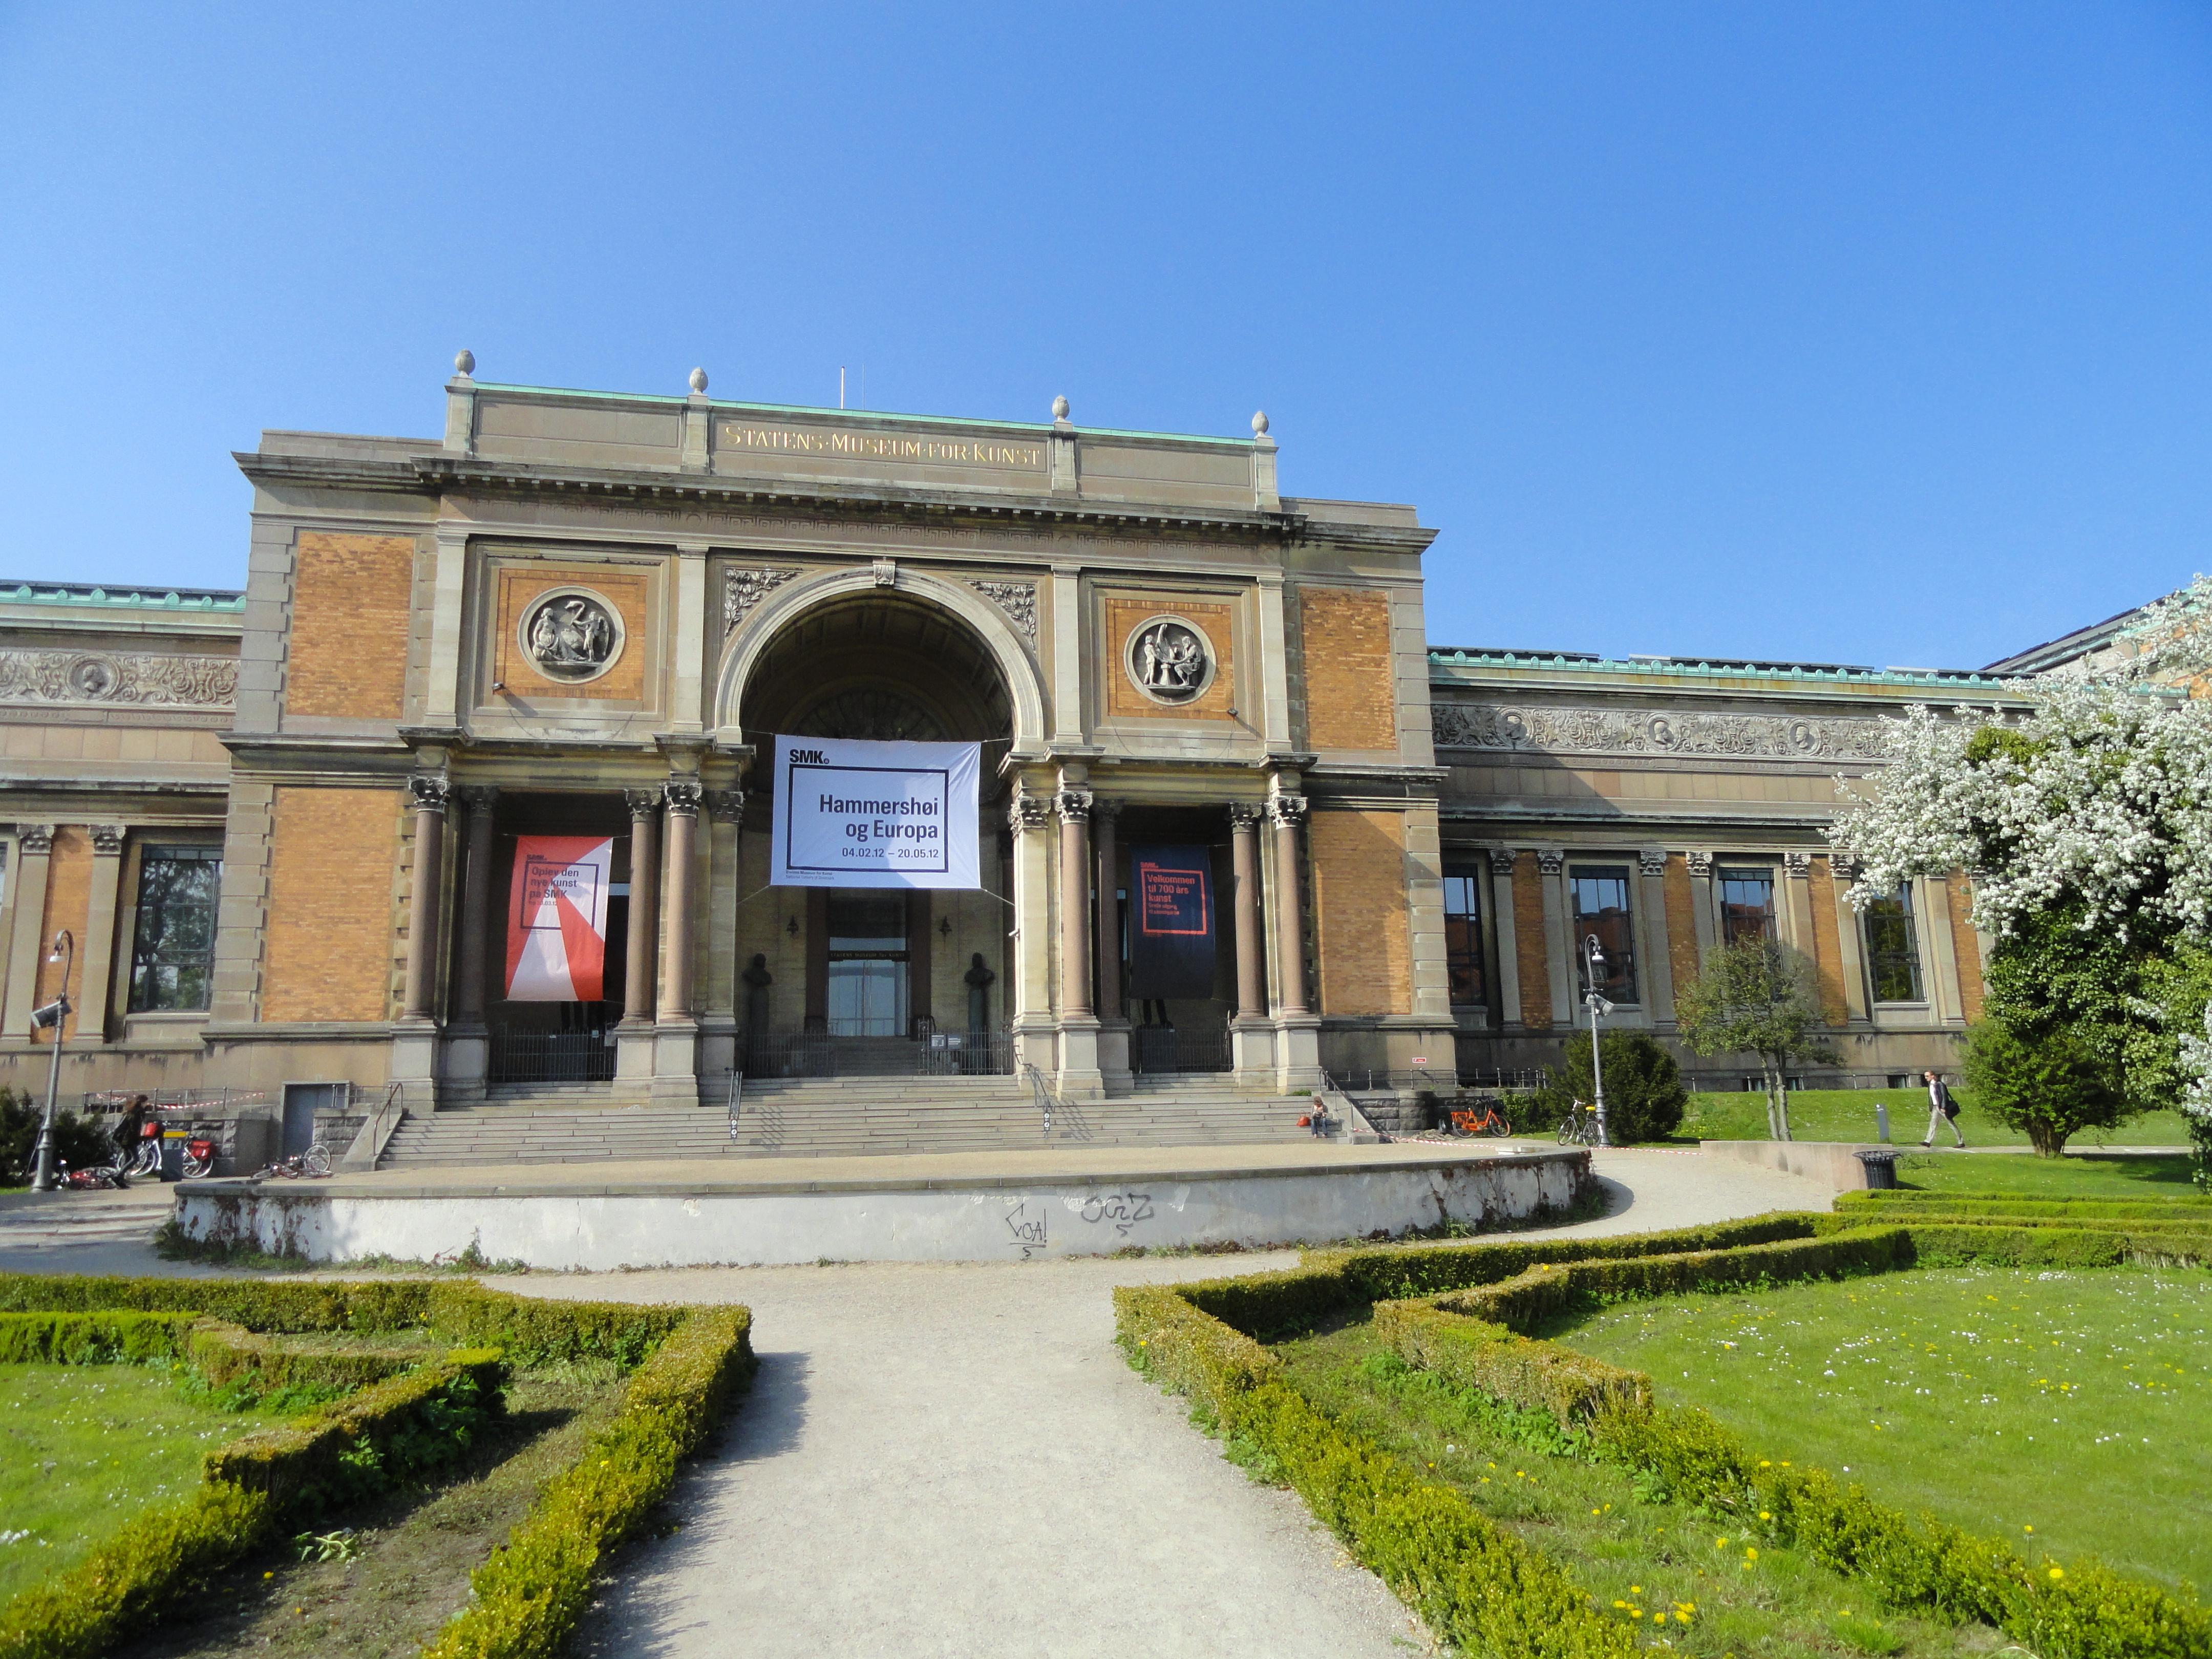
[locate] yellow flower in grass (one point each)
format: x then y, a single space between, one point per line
1751 1552
2058 1573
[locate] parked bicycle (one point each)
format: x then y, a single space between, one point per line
310 1165
1481 1119
93 1178
146 1155
199 1157
1579 1127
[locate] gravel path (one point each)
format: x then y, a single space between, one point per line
946 1460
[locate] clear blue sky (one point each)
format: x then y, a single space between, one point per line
1864 333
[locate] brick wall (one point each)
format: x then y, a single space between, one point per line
330 938
1681 923
69 895
1126 614
1965 945
350 613
1531 953
1349 686
519 587
1359 912
1827 944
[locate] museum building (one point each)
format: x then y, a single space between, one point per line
284 828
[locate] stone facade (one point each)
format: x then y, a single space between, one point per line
581 614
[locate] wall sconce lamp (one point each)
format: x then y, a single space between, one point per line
791 926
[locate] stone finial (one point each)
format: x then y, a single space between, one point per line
1060 409
1260 424
464 361
698 379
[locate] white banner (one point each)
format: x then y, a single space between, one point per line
850 813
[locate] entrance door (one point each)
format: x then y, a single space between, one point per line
868 984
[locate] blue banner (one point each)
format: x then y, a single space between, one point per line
1170 921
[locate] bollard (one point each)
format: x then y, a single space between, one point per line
1882 1122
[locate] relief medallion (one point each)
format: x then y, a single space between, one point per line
1168 660
571 635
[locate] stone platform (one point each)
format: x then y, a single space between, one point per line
966 1207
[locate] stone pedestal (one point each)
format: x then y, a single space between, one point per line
1297 1053
1080 1077
1252 1051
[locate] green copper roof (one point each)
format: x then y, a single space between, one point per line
1949 679
1039 426
123 598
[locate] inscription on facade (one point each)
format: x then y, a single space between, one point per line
882 446
95 677
1548 729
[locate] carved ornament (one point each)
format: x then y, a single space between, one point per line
571 635
1549 729
108 839
745 586
1799 864
37 838
1550 861
682 797
145 678
1027 813
427 791
1701 864
642 803
1168 660
1501 860
1075 806
726 805
1017 600
1651 861
1286 811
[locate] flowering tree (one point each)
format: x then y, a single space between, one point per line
2086 820
1754 998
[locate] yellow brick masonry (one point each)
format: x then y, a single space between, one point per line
1827 944
1360 922
330 928
350 604
1681 923
1351 690
1529 951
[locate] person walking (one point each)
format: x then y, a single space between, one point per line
1942 1110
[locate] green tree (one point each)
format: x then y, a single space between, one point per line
2048 1083
1645 1098
1754 998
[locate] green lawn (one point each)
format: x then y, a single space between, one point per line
2044 1178
89 1446
1848 1115
2064 1410
1692 1584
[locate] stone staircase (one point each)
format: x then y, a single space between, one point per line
839 1117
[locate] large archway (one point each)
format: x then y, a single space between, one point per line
849 980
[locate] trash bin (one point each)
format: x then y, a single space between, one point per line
1880 1165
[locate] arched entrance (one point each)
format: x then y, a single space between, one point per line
874 981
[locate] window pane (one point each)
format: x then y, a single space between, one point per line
1464 934
1746 901
1600 898
1893 948
173 958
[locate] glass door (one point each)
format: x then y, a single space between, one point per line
867 965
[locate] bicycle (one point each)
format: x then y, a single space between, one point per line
199 1158
1484 1119
311 1165
1579 1127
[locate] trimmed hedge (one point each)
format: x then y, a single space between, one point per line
92 1339
533 1591
529 1329
1470 1353
1296 1299
251 1486
2194 1211
223 1353
1478 1585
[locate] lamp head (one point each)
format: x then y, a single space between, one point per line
46 1018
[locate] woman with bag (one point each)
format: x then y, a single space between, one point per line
1942 1110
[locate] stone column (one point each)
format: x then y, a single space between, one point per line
27 915
1244 855
474 923
1297 1029
1104 817
1509 946
1029 987
634 1038
1655 960
96 987
676 1035
428 793
1080 1076
718 1027
1562 946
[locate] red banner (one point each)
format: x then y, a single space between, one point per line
556 918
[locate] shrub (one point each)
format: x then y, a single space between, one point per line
1645 1098
2047 1082
79 1142
92 1339
223 1353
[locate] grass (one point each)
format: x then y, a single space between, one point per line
2062 1411
2044 1177
406 1558
88 1447
1848 1115
1700 1586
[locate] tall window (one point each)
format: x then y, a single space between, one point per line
1746 901
1463 933
1600 896
1893 948
172 959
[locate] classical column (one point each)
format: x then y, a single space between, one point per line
475 921
1028 986
1074 809
429 793
1286 812
1104 815
1502 928
726 811
1251 970
1562 948
96 986
1655 960
682 795
644 902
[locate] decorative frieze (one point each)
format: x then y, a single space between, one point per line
745 586
147 679
1017 600
1549 729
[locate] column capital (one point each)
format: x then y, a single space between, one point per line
1845 867
1074 805
37 839
1027 813
682 795
477 797
1286 811
1652 860
642 803
1799 864
427 792
1700 863
1502 859
107 840
726 805
1242 814
1106 807
1551 859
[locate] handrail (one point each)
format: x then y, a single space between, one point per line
737 1098
1042 1092
376 1129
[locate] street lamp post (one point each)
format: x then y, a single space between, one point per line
52 1015
1593 964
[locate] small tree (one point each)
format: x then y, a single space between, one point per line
1645 1098
2048 1083
1755 998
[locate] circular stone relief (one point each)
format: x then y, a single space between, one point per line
571 634
94 678
1170 661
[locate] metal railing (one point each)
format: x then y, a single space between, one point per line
1158 1049
1043 1093
1502 1080
737 1098
552 1057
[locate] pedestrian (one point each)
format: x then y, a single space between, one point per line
127 1137
1942 1110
